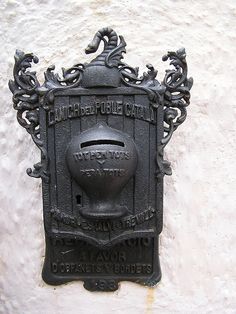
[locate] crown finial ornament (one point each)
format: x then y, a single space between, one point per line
102 129
104 69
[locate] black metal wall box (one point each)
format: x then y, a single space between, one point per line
101 129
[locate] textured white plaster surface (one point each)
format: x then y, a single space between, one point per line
197 246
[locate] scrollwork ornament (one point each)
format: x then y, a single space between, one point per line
147 82
26 101
71 78
176 99
29 96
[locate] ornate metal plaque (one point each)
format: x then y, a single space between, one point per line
101 129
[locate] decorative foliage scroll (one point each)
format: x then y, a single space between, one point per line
173 94
176 99
71 78
26 102
147 82
29 96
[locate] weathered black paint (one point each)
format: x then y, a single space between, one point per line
102 131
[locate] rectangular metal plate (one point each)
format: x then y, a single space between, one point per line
71 236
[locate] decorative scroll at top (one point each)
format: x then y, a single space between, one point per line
106 70
112 53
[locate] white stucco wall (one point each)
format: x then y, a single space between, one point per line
197 246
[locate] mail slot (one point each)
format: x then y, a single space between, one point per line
101 129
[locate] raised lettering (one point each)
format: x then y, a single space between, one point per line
109 107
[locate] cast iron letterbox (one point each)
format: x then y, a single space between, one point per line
101 130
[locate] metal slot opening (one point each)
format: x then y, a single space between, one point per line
102 142
78 199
